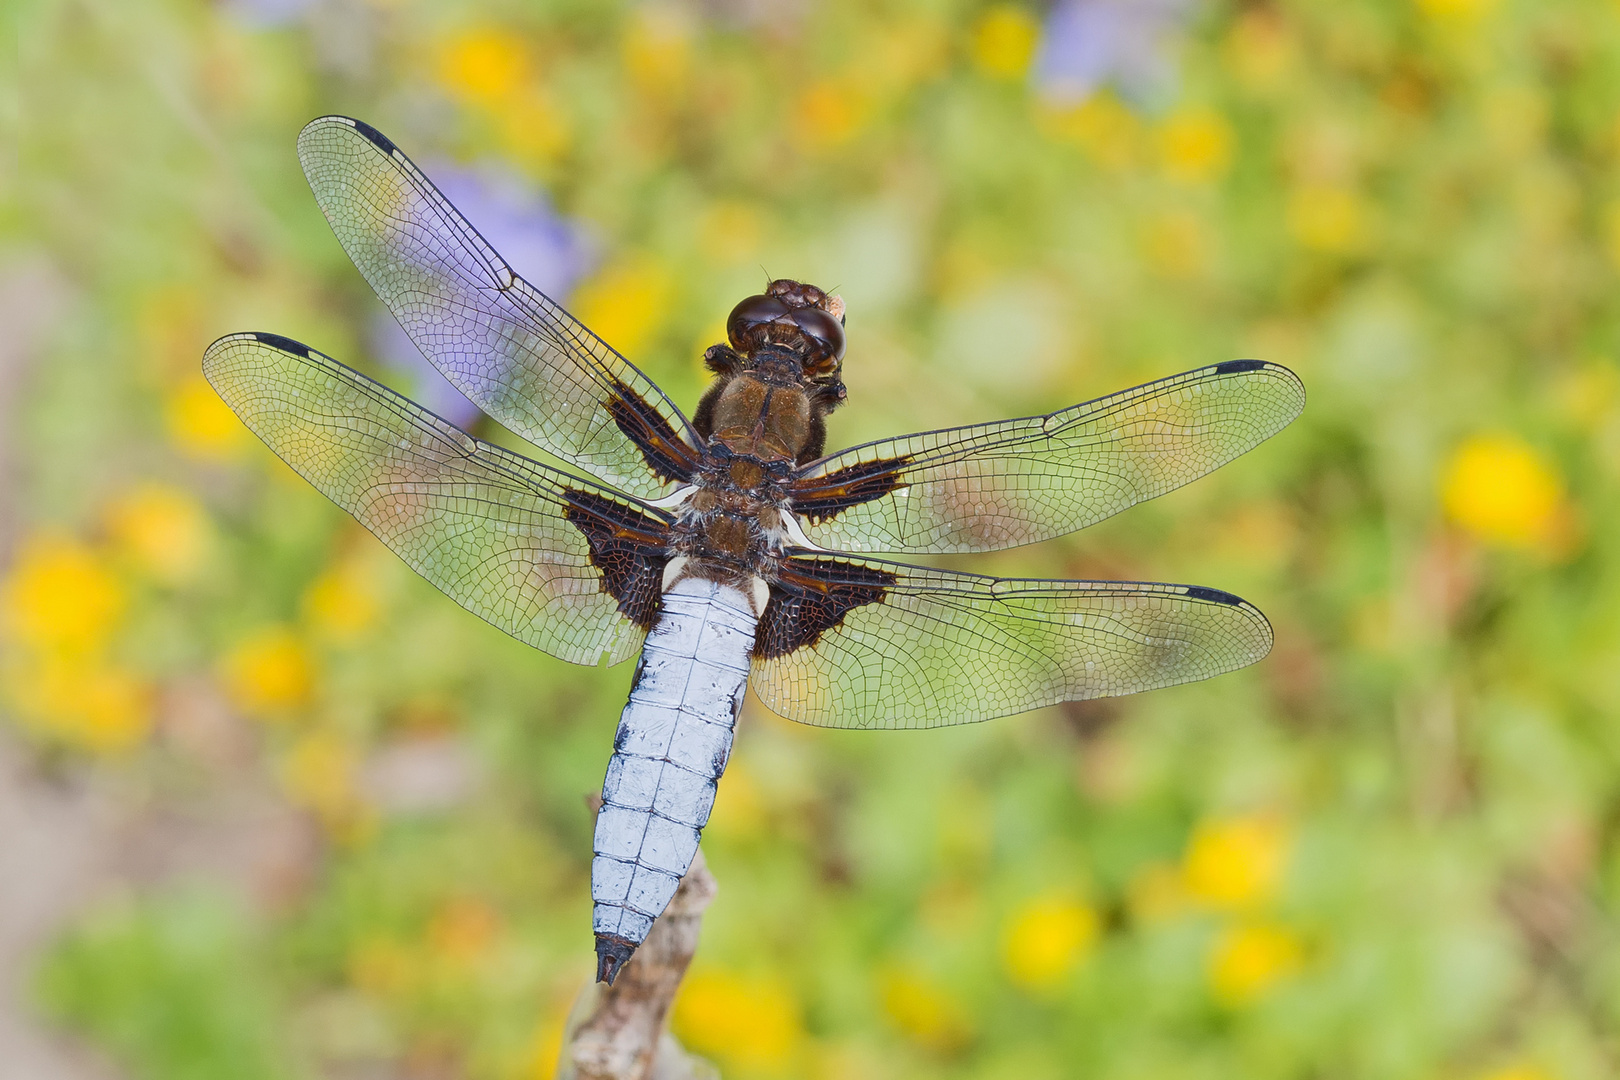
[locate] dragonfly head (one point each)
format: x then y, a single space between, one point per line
800 317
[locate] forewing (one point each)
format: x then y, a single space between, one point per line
556 561
509 348
1016 482
864 643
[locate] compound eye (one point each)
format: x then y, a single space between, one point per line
751 312
823 331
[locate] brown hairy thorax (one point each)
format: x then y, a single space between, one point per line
788 338
778 374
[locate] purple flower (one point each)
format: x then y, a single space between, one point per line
547 250
1122 42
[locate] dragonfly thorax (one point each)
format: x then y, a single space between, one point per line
730 528
754 418
780 373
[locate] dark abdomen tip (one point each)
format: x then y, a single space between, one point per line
612 953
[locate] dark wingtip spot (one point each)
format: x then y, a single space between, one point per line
1218 596
612 953
1234 367
285 344
377 138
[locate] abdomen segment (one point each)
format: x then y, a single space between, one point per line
672 744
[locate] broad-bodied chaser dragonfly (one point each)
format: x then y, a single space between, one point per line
728 550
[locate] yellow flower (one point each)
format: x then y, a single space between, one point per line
1328 218
160 529
740 811
548 1043
925 1011
202 425
1456 11
1502 490
658 51
60 606
1101 126
342 604
1195 145
752 1024
1523 1070
1248 960
1046 939
830 112
485 66
1004 41
269 673
114 709
626 302
60 595
81 700
1237 861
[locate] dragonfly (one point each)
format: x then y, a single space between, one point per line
728 549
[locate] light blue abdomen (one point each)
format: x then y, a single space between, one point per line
672 744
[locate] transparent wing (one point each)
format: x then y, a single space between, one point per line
864 643
509 348
556 561
999 485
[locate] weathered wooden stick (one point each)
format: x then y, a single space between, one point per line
619 1032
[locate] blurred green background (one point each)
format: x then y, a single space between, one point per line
270 807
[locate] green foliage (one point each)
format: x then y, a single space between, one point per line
175 986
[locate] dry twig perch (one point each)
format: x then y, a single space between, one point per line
619 1032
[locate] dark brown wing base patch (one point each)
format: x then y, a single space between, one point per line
628 548
822 498
812 596
665 452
